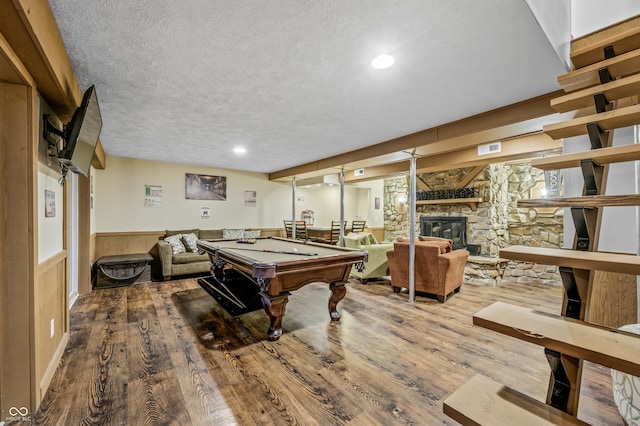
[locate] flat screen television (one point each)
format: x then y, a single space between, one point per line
81 135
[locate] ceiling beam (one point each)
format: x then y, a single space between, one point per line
509 121
525 147
31 30
29 26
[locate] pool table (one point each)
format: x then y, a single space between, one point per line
279 266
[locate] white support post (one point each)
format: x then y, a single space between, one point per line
340 242
293 208
412 226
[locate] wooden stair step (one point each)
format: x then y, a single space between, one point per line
482 401
609 155
623 37
588 260
613 90
605 346
620 66
608 120
584 201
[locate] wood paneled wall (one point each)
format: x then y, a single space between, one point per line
51 301
377 232
115 243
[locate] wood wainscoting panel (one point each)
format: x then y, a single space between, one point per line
116 243
51 301
377 232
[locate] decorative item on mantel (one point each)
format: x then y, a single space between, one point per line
450 196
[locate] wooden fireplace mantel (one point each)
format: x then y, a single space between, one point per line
473 202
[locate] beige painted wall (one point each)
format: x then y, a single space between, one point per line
325 203
118 199
375 217
119 192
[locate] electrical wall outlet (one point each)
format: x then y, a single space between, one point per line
53 327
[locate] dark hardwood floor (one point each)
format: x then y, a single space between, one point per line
167 353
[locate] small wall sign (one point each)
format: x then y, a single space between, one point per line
205 213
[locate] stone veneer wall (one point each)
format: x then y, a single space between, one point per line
497 222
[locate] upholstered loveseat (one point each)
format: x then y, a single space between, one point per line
377 265
176 254
438 269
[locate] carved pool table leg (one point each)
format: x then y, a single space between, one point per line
275 310
338 291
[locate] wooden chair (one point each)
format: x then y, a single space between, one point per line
358 225
334 236
288 228
301 229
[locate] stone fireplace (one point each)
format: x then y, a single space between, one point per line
494 223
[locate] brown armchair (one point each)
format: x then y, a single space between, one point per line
436 271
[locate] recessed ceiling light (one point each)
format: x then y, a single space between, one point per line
383 61
239 150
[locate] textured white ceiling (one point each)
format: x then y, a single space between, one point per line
290 80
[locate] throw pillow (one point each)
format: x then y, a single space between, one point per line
232 234
189 241
252 234
175 241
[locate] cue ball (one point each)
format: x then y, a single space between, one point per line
294 250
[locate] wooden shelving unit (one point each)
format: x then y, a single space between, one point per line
607 81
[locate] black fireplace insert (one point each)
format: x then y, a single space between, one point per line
451 227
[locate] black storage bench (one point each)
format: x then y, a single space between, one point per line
121 270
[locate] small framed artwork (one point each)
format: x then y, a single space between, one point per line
49 203
376 203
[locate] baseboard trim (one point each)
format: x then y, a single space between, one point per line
52 367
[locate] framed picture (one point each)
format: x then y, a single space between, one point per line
49 203
205 187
